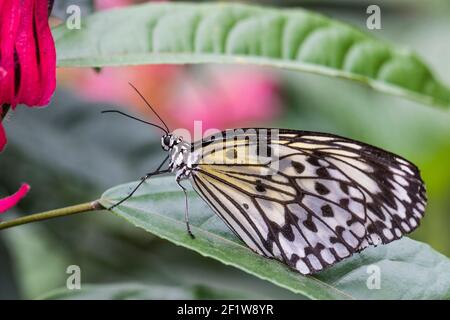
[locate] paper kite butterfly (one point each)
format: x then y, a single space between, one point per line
305 198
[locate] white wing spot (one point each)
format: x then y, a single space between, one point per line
417 213
402 161
401 193
341 250
362 178
292 247
357 208
407 169
412 222
397 171
376 240
336 174
276 252
318 138
349 144
388 234
402 181
315 263
401 210
327 256
302 267
350 238
273 210
420 206
405 226
358 229
342 152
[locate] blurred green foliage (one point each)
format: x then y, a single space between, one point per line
70 154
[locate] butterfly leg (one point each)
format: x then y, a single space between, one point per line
143 179
186 210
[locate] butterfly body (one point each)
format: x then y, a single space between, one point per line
305 198
180 157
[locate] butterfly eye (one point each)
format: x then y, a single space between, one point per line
166 140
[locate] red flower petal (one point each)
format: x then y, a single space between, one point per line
2 73
36 55
9 24
27 53
9 202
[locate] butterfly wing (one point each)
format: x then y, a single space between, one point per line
307 199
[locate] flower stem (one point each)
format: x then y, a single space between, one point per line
67 211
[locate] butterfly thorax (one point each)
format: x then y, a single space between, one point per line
181 158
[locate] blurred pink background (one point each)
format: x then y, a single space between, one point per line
224 97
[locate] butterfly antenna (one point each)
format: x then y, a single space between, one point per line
148 104
137 119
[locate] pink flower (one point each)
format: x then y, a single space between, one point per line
110 86
27 54
9 202
229 98
220 97
108 4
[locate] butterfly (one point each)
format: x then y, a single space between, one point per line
307 199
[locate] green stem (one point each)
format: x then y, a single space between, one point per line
67 211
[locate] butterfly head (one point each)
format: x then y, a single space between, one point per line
168 141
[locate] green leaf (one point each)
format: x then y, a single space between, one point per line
295 39
408 268
136 291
